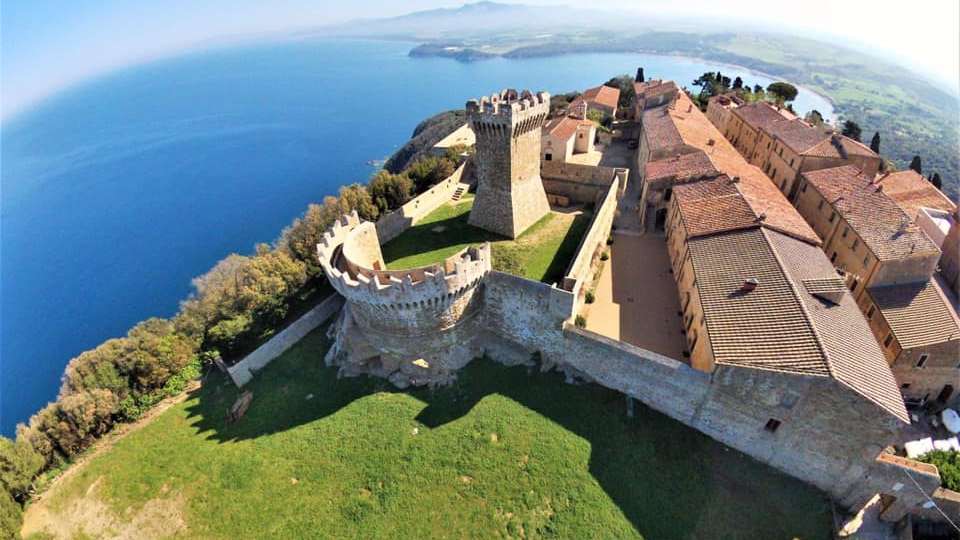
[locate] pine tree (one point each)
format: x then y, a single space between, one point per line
916 165
875 143
737 83
851 129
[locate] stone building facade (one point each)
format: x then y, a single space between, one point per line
510 196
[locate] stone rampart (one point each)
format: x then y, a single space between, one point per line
243 371
509 113
592 242
581 183
395 223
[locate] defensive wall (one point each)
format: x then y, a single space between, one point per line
593 242
243 371
393 224
581 183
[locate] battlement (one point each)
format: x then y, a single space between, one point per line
389 296
508 111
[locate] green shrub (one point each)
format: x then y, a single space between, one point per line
19 463
948 463
589 297
581 321
604 256
610 240
11 517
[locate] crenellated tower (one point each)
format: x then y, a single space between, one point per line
510 196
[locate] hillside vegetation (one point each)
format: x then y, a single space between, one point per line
501 453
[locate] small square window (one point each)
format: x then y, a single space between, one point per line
772 425
855 244
833 216
904 386
866 260
923 360
870 312
846 231
888 340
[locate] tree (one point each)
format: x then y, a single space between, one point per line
784 91
757 89
390 191
936 181
300 239
639 77
11 517
916 165
19 464
737 83
851 129
875 142
356 197
627 93
428 171
814 118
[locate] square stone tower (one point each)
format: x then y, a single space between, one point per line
510 195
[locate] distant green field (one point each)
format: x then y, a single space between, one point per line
541 253
502 453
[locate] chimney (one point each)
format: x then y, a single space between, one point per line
761 217
749 284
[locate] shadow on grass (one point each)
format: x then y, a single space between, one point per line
433 241
669 481
567 250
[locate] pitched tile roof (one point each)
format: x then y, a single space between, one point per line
885 228
603 95
839 146
779 326
689 165
564 128
713 206
653 88
912 192
683 125
761 115
798 135
919 314
660 131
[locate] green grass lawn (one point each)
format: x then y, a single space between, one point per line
541 253
501 453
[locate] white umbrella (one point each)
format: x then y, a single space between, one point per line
951 420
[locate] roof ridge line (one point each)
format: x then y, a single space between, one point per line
803 307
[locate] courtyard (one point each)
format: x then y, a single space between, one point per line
636 297
541 253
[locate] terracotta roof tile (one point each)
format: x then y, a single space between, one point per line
919 314
689 165
564 128
603 95
838 146
683 125
885 228
761 115
911 191
797 135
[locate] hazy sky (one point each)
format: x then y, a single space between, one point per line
46 45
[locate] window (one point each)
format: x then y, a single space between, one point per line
668 194
820 205
904 386
856 242
803 187
846 230
866 259
888 340
833 258
923 360
772 425
548 156
871 311
791 163
853 286
833 216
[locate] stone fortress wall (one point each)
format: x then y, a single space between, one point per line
510 196
393 224
594 241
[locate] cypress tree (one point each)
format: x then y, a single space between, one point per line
936 181
916 165
639 77
875 142
737 83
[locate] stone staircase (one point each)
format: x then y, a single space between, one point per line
460 192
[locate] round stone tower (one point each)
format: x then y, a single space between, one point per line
510 195
415 326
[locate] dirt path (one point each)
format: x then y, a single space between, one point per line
89 513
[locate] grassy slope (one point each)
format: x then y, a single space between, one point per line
541 253
500 454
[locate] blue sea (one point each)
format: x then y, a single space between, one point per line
120 190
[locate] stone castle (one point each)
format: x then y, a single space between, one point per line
792 398
510 195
